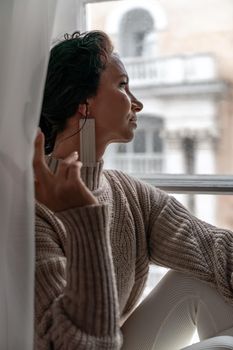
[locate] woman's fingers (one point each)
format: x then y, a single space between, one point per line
64 189
74 171
83 195
63 167
41 170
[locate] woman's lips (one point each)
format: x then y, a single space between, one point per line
133 122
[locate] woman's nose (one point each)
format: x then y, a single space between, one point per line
137 105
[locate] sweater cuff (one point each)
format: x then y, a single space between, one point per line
90 274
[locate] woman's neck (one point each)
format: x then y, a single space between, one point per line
68 141
65 146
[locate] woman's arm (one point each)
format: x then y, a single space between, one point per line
179 240
76 298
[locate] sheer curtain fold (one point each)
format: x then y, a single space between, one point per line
25 35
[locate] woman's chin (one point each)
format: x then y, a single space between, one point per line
124 138
128 136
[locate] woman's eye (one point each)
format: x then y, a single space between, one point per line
123 84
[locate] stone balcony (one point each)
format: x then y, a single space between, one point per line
171 70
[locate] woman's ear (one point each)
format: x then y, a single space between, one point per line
83 109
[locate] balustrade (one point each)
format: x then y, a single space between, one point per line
171 70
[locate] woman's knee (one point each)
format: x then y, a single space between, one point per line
202 303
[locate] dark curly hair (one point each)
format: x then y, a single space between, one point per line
73 75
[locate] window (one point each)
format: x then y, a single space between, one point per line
145 153
187 83
139 142
186 79
121 148
157 142
133 31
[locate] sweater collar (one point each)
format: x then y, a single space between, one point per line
91 175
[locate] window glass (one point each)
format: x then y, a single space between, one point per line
157 142
121 148
180 64
139 142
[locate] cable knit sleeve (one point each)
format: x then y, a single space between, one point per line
180 241
76 304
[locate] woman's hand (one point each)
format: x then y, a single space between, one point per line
63 190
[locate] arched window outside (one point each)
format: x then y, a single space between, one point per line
136 29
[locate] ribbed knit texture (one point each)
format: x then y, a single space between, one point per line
92 262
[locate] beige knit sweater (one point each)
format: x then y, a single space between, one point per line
92 262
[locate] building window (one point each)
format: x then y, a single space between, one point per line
144 155
122 148
135 28
157 141
139 143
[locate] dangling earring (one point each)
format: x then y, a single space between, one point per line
87 140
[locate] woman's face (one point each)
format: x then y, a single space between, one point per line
114 107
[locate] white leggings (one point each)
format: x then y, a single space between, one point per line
169 316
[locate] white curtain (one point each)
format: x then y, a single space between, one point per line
67 15
25 35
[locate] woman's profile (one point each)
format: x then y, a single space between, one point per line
98 230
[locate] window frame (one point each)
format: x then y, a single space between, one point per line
174 183
196 184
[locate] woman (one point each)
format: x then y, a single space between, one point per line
97 231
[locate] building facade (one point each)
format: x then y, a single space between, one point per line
178 55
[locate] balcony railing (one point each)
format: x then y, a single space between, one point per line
138 163
171 70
